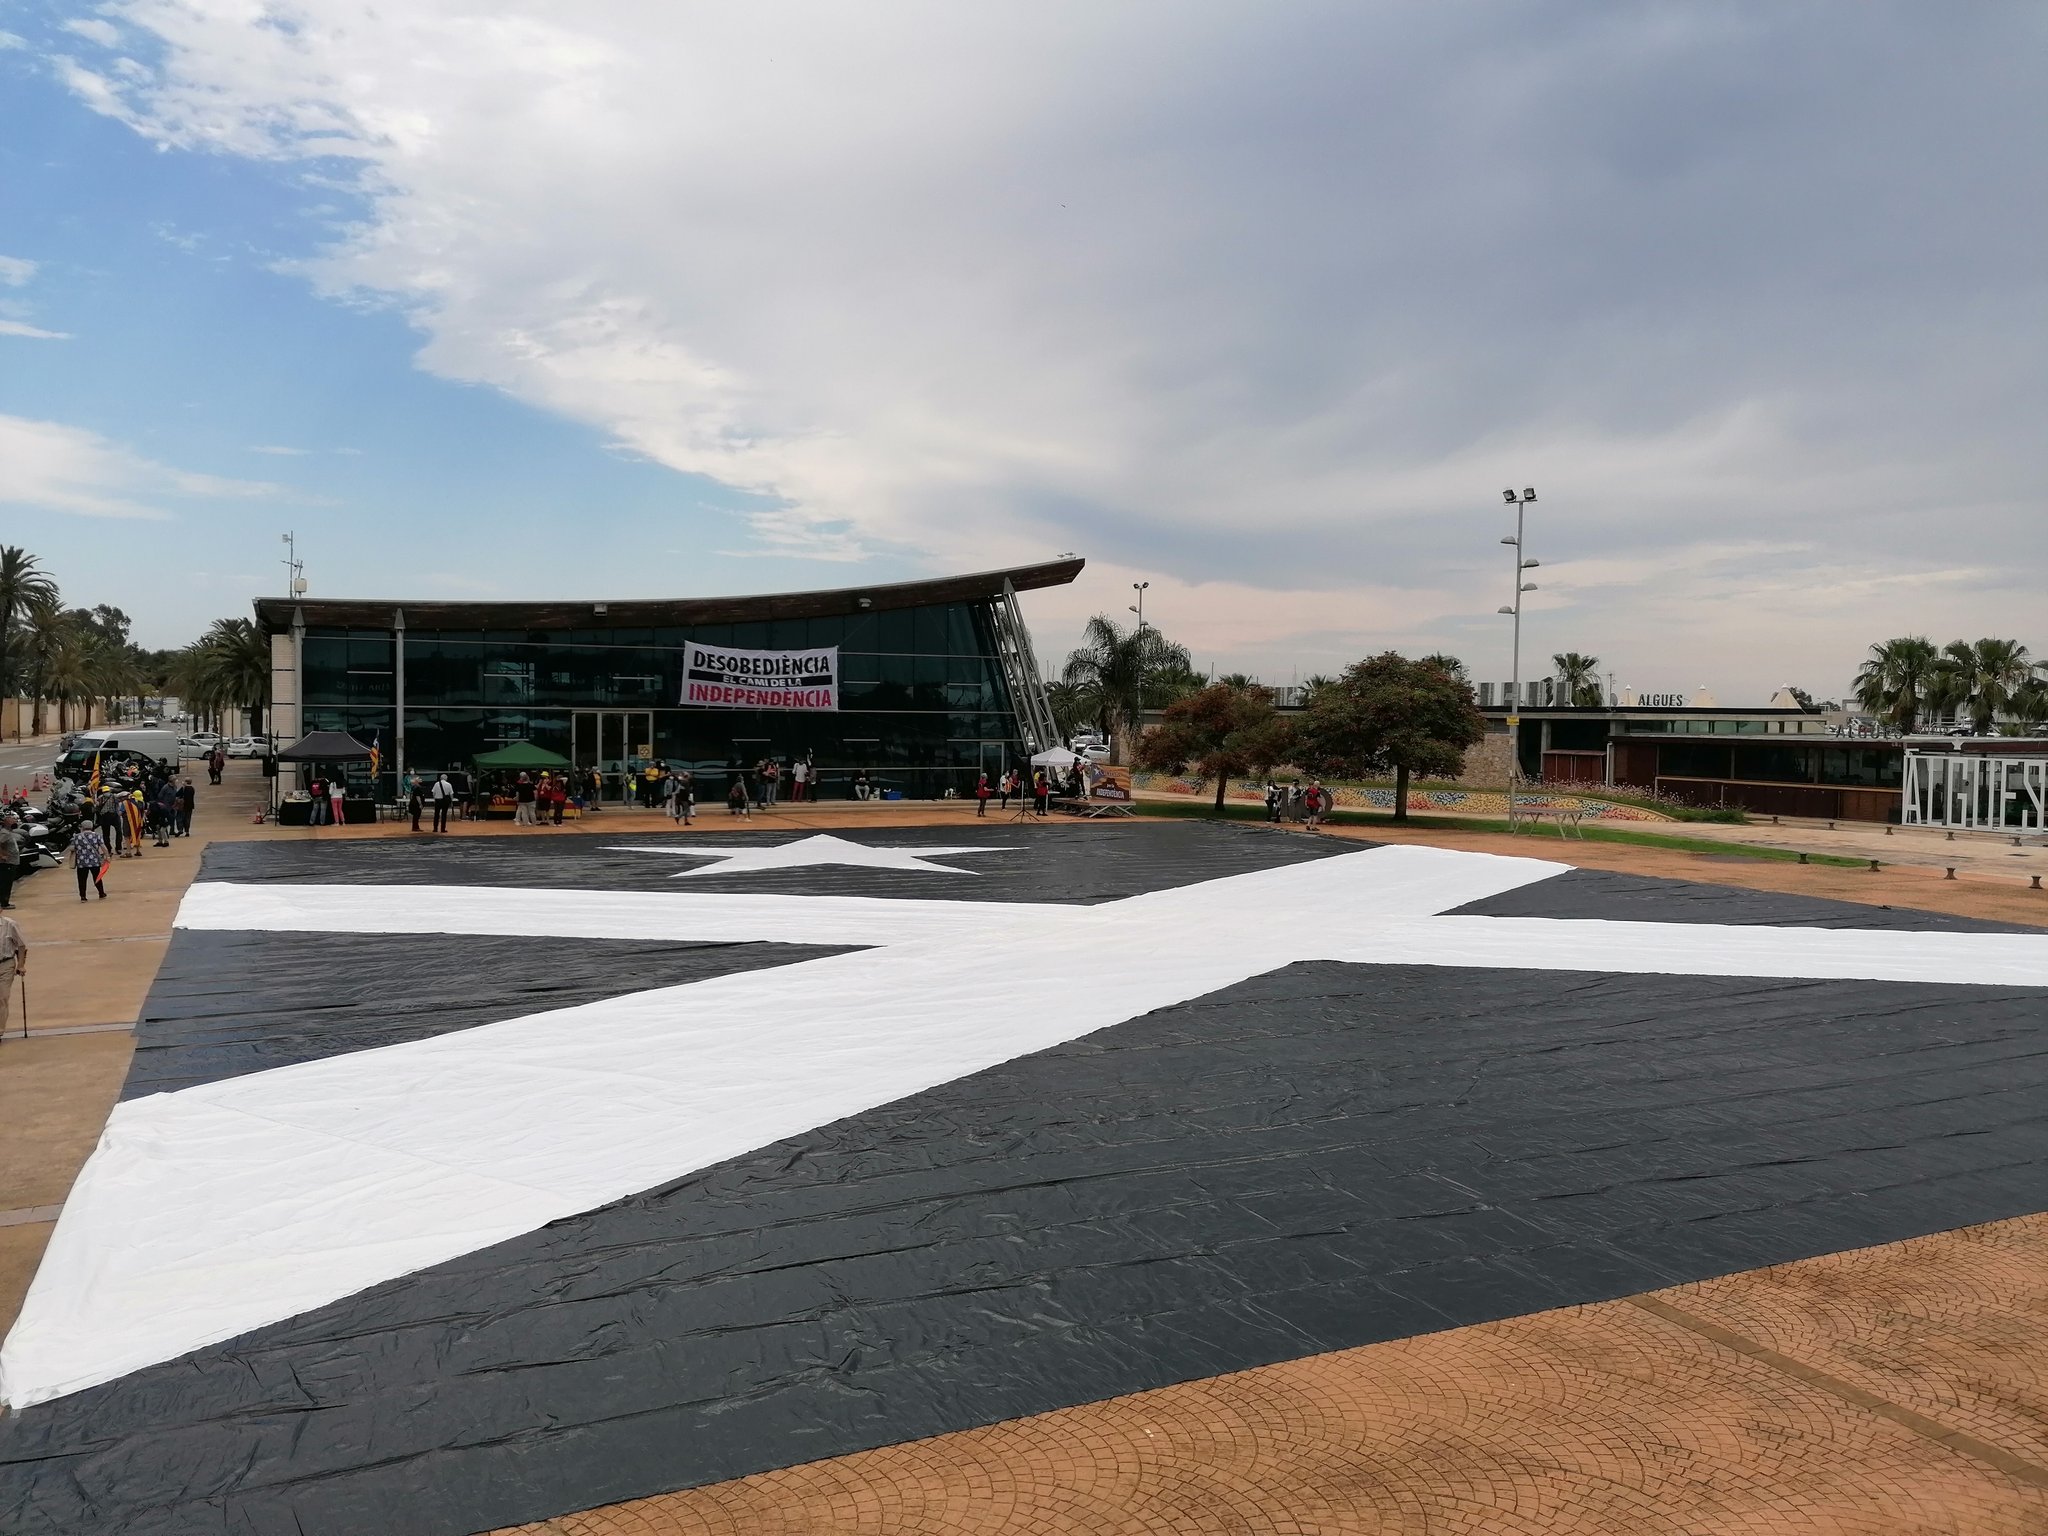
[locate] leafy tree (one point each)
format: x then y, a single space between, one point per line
1448 663
226 668
1983 676
1120 673
1223 732
1894 679
1390 712
1072 707
1580 676
25 589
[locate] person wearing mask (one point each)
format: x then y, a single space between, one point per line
444 801
800 780
89 859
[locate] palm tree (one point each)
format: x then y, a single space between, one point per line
25 588
1893 681
1121 672
1073 706
1580 676
228 667
1447 663
2030 704
1984 676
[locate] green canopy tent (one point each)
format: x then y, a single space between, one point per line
521 754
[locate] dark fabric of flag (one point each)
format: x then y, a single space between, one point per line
1324 1156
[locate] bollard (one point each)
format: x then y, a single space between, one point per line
1831 826
2037 883
1951 836
1873 866
2015 842
1951 873
1802 858
1887 831
1774 821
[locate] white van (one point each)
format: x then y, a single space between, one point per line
118 744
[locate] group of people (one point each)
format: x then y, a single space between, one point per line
121 818
1308 803
1042 786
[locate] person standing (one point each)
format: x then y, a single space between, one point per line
215 761
316 813
522 797
560 796
771 783
686 794
415 799
444 798
1041 791
800 780
981 794
187 803
13 963
1006 785
11 845
131 822
107 816
337 799
166 807
89 860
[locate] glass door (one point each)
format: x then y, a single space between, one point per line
616 743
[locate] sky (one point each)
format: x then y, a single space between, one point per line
1262 305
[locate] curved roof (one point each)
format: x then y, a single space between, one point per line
274 614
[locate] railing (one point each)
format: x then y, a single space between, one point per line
1020 672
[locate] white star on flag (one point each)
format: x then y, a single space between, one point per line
821 849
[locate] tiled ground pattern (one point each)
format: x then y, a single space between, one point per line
1605 1420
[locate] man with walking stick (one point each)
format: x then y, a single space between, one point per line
13 965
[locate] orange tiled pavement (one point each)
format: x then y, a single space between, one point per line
1887 1392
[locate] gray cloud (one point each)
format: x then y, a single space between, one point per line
1265 303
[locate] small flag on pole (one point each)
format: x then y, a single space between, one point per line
93 784
376 754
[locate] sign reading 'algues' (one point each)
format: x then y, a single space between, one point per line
724 678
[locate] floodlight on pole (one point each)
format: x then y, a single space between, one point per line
1139 588
1520 504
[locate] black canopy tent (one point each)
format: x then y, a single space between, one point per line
326 747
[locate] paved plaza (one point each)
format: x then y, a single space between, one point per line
1892 1386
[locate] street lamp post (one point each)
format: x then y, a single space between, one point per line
1520 504
1139 588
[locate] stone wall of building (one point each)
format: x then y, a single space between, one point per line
1487 765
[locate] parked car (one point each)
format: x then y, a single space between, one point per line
244 746
1094 751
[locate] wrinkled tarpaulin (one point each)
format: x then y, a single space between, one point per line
1309 1159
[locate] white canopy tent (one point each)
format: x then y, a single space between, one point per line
1057 757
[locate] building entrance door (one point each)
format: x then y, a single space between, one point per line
617 743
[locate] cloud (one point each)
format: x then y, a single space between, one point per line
94 29
10 40
280 452
52 467
33 332
16 271
1266 305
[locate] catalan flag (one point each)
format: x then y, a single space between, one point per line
376 755
92 784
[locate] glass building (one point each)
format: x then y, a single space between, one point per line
937 680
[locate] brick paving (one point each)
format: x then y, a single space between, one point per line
1887 1392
